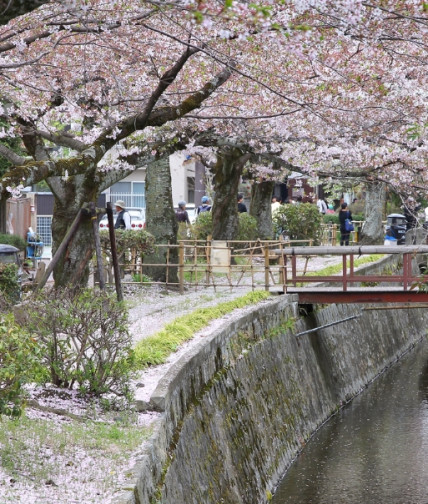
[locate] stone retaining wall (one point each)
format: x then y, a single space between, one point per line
237 409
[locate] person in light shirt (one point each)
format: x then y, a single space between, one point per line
322 206
123 219
275 205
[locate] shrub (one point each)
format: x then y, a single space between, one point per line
333 218
127 239
19 361
300 222
14 240
131 246
84 340
203 226
10 287
247 227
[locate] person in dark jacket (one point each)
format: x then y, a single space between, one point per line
123 219
181 214
241 205
205 206
344 214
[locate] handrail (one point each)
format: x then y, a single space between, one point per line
348 276
355 250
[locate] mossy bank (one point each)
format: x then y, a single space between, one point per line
238 407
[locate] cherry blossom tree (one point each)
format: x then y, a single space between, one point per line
334 87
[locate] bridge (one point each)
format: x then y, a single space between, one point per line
407 285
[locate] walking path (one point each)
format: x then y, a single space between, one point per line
155 307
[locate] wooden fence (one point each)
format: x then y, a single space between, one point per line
219 264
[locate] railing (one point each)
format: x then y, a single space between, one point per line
330 233
219 264
346 280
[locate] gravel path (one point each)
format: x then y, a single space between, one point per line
154 307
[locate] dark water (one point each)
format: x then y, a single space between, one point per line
375 451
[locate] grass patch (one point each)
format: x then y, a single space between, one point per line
335 269
155 349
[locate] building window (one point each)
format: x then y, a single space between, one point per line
132 193
190 189
44 229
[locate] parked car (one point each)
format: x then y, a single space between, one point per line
138 218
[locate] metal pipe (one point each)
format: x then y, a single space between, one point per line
328 325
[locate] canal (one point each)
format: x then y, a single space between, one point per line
375 450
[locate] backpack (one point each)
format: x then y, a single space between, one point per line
205 208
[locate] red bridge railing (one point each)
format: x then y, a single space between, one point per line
404 285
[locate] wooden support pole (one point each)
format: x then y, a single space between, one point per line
114 253
181 267
61 249
266 253
95 230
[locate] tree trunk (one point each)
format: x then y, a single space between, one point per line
373 232
227 174
161 221
70 195
261 209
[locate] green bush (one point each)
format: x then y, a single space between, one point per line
84 340
9 283
247 227
14 240
300 222
19 363
203 226
333 218
127 239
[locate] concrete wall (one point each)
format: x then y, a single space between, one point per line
239 407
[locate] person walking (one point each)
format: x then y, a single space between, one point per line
242 207
275 205
181 214
123 219
322 206
344 215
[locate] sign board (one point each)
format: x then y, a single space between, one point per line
220 256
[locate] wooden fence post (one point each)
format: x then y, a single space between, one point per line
100 268
266 251
181 266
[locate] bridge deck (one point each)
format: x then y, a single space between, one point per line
310 295
351 286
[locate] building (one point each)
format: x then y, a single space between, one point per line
35 208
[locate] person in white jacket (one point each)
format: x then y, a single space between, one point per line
322 206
